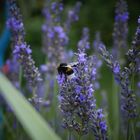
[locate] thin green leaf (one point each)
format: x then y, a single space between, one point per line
32 122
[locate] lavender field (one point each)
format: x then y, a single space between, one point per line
77 85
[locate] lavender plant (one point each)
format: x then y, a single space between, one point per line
120 32
96 44
55 40
55 34
21 50
126 77
77 101
11 69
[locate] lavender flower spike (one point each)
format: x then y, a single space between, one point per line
134 53
21 50
77 103
73 16
123 79
120 29
54 37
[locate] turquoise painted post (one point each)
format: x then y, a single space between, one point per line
4 40
5 36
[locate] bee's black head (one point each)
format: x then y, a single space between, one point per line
63 65
64 68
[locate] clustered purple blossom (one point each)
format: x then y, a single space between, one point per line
123 79
98 60
134 53
54 37
55 40
120 32
55 34
12 69
21 50
73 16
77 102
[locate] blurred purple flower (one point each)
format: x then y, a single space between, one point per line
123 79
21 50
120 32
116 67
122 17
15 24
73 16
43 68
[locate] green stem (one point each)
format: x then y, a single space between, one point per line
69 135
79 137
128 129
133 130
34 92
115 110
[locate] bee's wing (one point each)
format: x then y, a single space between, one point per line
73 64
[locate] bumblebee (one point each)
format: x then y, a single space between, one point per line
67 69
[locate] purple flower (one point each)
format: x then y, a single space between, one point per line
13 71
21 50
43 68
122 17
82 57
13 65
50 33
84 44
54 36
116 67
94 72
60 79
61 34
90 90
77 101
78 89
120 29
123 79
15 24
139 20
103 126
99 113
72 16
138 84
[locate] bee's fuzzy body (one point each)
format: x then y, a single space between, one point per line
67 69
